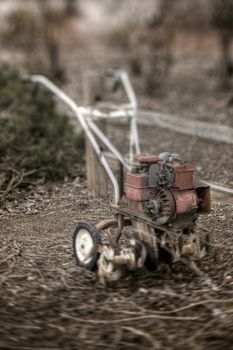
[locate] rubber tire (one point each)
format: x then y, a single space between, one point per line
151 263
95 235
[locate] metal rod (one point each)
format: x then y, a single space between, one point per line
116 114
74 107
108 144
219 188
134 142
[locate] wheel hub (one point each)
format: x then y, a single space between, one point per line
84 245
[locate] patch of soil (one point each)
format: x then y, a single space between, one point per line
48 302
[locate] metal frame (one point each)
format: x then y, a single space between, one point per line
85 117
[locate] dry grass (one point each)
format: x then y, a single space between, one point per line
48 302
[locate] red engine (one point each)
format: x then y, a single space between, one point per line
163 188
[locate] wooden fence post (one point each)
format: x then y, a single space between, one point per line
97 179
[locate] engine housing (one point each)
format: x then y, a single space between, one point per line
165 189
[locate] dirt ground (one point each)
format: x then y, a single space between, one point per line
47 302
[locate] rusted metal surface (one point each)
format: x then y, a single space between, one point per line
204 195
111 223
137 180
163 216
183 176
174 192
146 158
161 206
141 217
186 201
137 187
220 193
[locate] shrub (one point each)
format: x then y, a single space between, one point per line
36 141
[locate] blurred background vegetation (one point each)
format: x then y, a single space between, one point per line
64 38
38 35
37 143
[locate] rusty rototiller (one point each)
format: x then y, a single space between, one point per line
158 204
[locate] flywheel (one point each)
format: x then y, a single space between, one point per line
161 206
